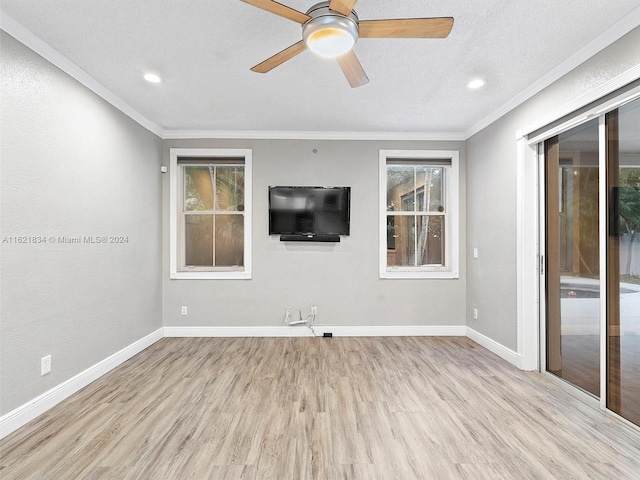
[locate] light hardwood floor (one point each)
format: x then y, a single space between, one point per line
313 408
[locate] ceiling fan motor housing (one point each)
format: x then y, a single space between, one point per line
330 33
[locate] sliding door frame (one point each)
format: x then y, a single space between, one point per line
542 259
530 225
603 201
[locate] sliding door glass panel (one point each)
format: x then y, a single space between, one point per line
573 263
623 250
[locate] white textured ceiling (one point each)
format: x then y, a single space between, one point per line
203 49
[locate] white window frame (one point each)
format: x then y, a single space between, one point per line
452 226
176 231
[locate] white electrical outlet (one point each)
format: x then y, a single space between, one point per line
45 365
184 310
475 252
475 313
314 309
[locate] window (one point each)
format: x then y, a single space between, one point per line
210 221
419 214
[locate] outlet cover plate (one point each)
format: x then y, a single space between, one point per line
45 365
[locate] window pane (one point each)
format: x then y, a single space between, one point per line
229 240
431 240
198 240
198 188
400 188
402 235
230 188
402 251
429 193
391 233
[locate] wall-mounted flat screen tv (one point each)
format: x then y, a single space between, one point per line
309 210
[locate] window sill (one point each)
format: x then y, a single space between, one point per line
416 274
210 276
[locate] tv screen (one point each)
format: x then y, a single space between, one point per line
309 210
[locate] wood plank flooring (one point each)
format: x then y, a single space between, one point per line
312 408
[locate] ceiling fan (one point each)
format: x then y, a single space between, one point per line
332 28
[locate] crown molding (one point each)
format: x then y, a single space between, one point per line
294 135
46 51
614 33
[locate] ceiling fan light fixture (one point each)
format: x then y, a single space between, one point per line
330 42
330 35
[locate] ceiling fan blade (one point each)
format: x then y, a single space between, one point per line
342 6
279 9
406 28
352 69
281 57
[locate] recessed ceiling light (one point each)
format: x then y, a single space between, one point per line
152 77
475 83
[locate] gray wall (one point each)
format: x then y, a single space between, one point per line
72 165
491 190
341 279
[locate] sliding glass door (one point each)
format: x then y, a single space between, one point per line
592 313
573 261
623 261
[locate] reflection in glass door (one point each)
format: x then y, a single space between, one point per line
573 259
623 261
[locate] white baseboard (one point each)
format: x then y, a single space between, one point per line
395 331
30 410
282 331
303 331
494 347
